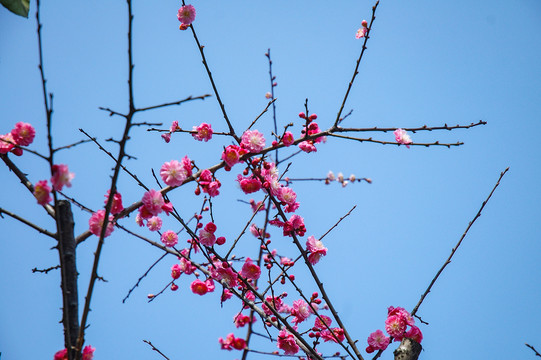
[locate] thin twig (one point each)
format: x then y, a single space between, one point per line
155 349
367 36
531 347
27 223
338 222
142 277
448 261
189 98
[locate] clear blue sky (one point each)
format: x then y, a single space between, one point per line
427 63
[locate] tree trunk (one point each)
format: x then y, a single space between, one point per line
408 350
70 309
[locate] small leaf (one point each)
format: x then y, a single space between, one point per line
19 7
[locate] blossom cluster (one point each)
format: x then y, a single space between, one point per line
343 180
88 353
21 135
398 319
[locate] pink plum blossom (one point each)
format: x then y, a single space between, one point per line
286 195
232 155
96 223
204 132
169 238
318 324
117 206
274 302
377 341
221 271
61 355
206 237
61 176
176 271
185 264
307 146
23 134
241 320
402 137
361 33
153 201
335 335
249 184
250 270
166 137
295 224
186 14
316 249
395 325
231 342
288 138
88 352
6 143
414 333
154 223
174 173
403 313
286 342
253 141
42 192
199 287
301 311
174 126
210 285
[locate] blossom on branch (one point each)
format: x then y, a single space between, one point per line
250 270
23 134
253 141
61 176
286 342
186 14
117 206
377 341
42 192
204 132
402 137
174 173
96 223
316 249
169 238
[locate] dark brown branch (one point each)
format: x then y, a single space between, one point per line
338 222
71 145
142 277
112 112
27 223
535 351
222 107
155 349
261 114
448 261
112 190
189 98
366 37
24 180
69 282
414 130
436 143
115 160
45 271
